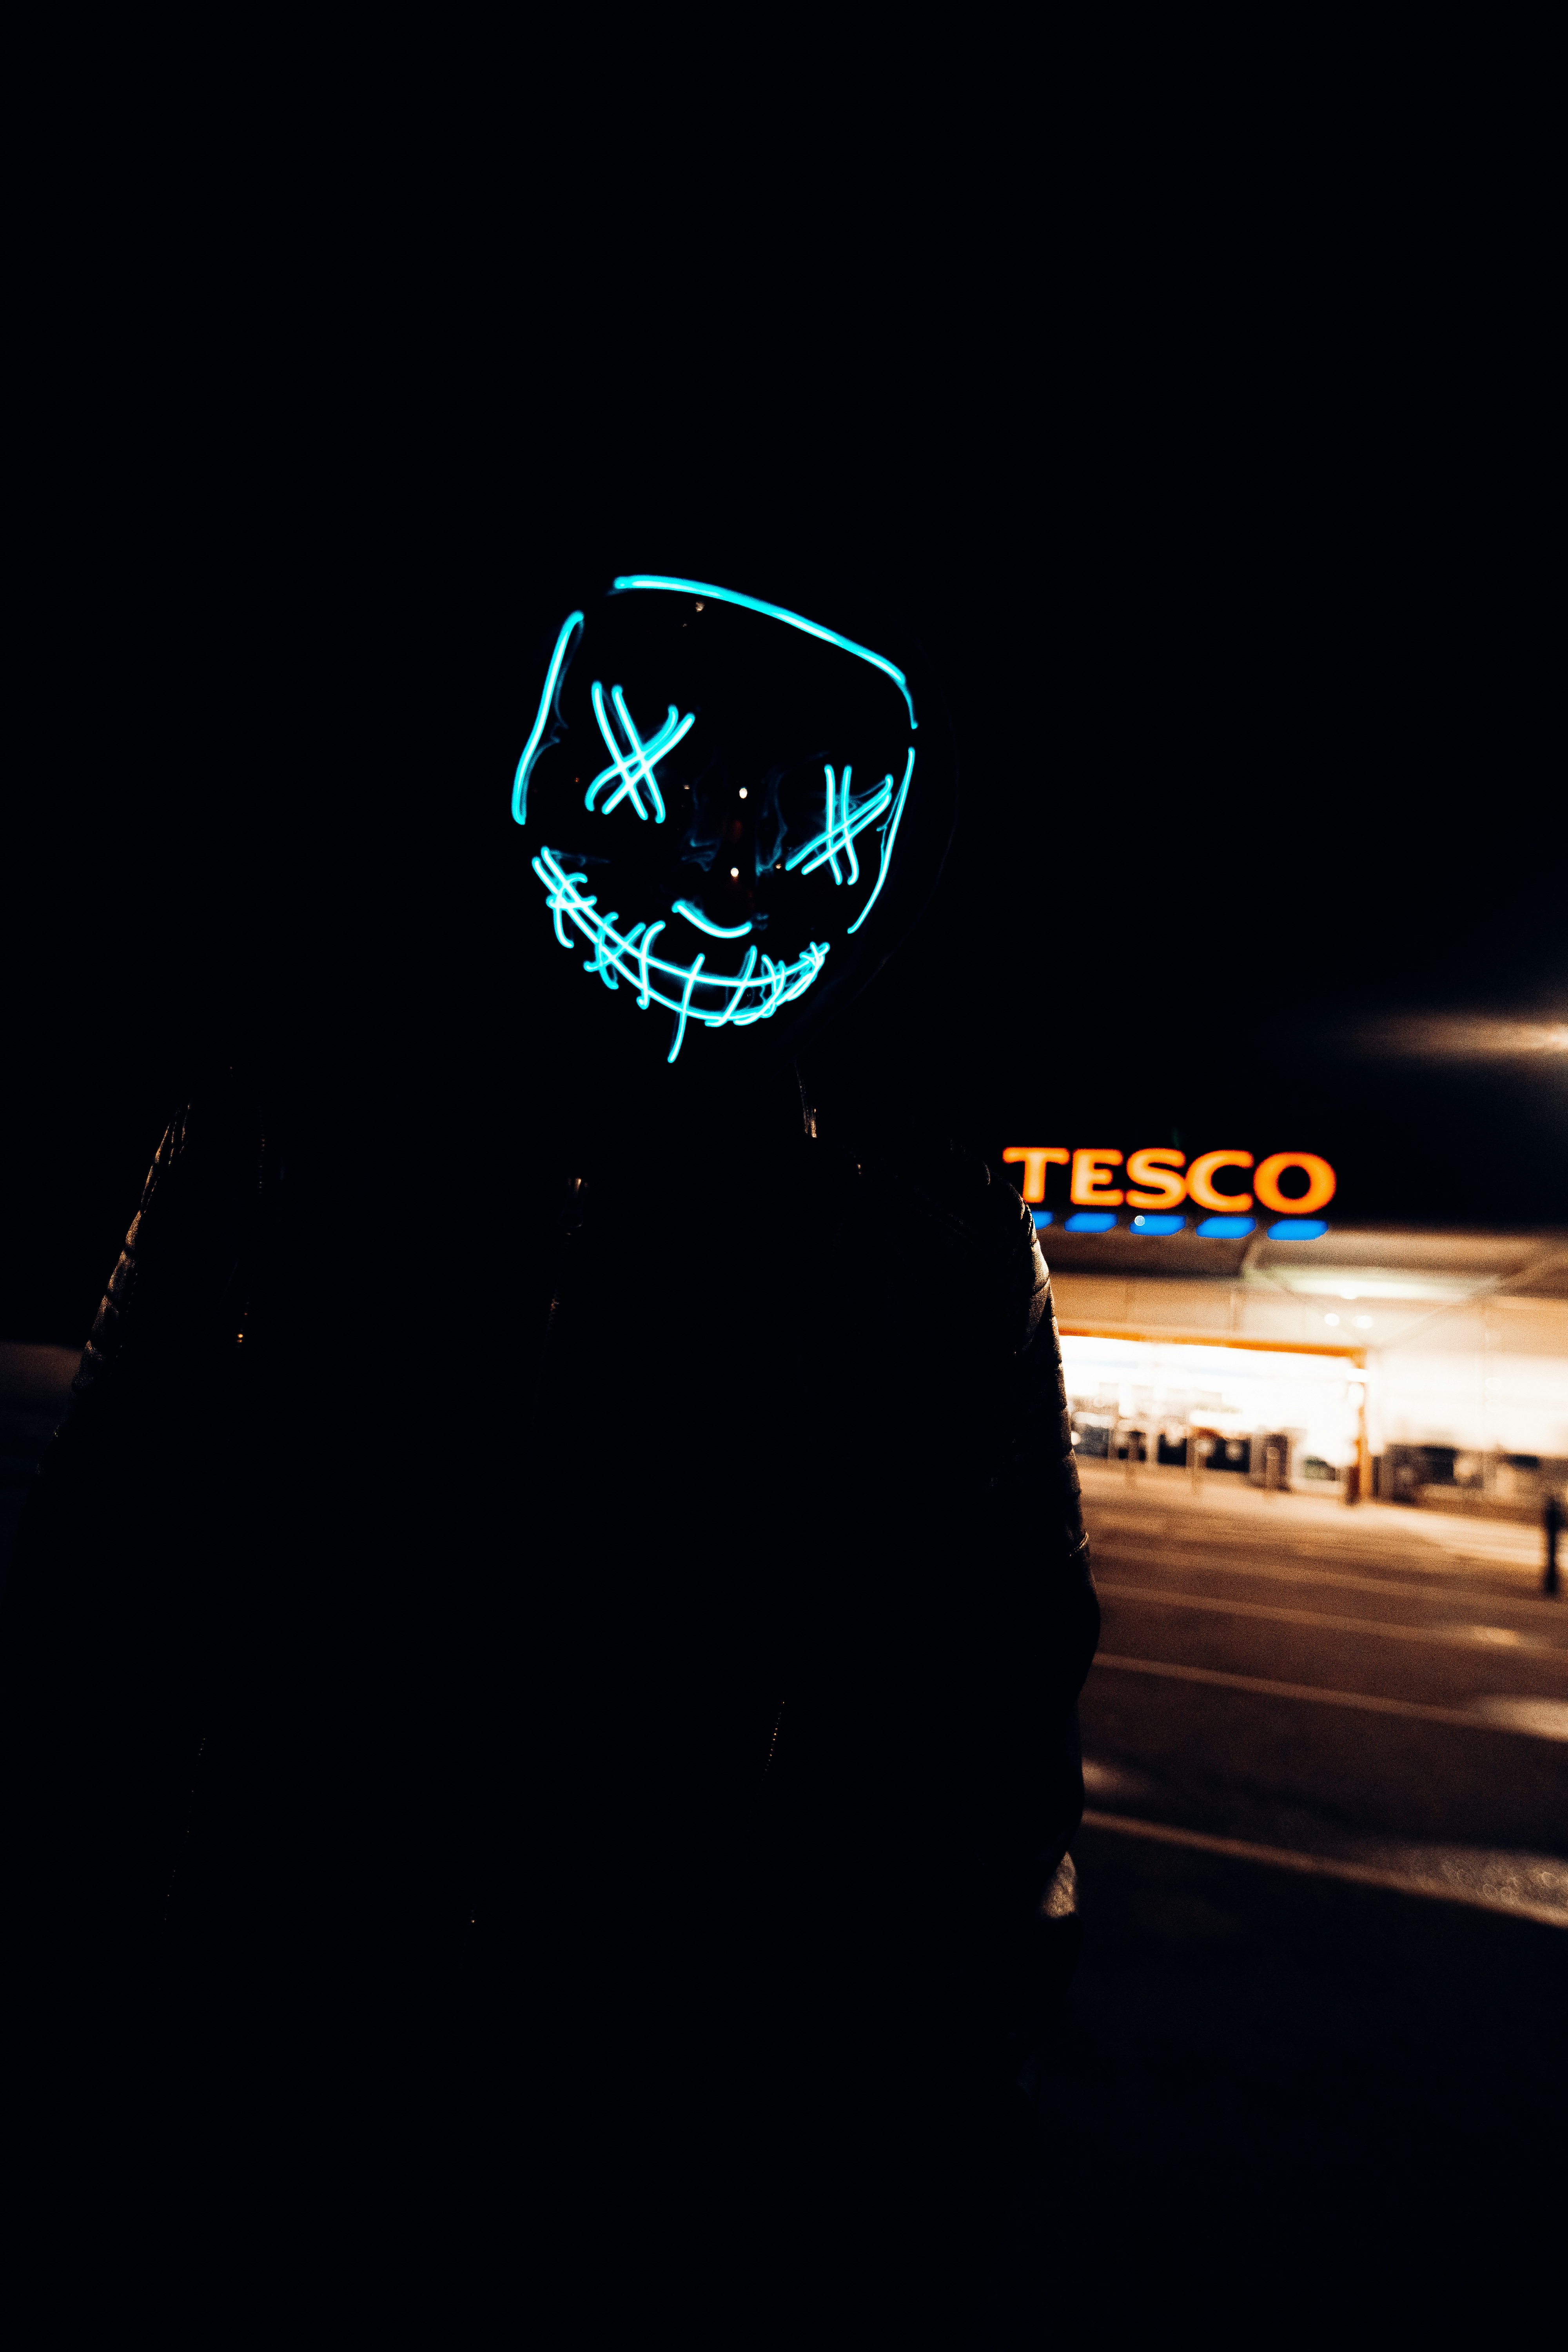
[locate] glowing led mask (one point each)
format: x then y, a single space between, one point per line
690 778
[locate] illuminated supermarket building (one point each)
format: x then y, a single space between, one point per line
1219 1320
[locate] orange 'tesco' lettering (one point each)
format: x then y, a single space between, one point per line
1156 1167
1089 1187
1200 1181
1035 1157
1321 1183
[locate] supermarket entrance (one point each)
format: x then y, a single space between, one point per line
1264 1411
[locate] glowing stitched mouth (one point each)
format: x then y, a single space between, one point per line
689 990
735 999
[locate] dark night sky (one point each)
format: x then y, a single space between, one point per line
1236 583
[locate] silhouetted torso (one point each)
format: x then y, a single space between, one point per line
715 1669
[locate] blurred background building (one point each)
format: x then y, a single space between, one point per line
1409 1366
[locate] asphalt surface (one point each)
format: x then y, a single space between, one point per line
1317 2037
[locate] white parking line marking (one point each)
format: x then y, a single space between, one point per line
1466 1637
1406 1587
1546 1718
1317 1865
1485 1714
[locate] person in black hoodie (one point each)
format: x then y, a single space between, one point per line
724 1677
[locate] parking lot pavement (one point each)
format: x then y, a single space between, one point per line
1323 1995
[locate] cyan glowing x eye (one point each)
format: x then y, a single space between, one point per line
844 823
635 765
741 997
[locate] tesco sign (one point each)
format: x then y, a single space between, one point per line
1161 1180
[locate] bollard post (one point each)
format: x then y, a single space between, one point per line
1551 1524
